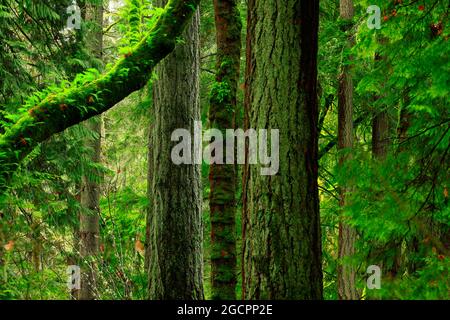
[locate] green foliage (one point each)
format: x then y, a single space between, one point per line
398 205
220 91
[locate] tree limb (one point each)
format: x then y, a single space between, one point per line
58 111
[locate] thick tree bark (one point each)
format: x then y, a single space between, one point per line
90 189
283 239
222 177
176 231
347 235
247 105
61 110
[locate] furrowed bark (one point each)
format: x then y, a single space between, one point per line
61 110
176 229
282 258
148 223
250 64
346 281
222 177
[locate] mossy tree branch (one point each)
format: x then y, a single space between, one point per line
58 111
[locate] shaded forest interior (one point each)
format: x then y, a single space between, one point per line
224 149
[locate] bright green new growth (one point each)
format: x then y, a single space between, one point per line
88 97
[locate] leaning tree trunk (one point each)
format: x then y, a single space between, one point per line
346 280
90 188
176 233
282 258
222 177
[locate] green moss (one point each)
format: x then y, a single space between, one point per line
128 75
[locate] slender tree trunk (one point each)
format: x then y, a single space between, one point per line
89 222
2 241
380 147
36 246
380 121
380 135
90 189
404 260
404 124
176 231
222 177
347 235
150 173
246 168
283 240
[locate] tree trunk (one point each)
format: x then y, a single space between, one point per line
380 121
90 188
2 240
403 261
176 231
89 221
150 173
36 241
347 235
222 177
404 123
380 135
380 146
283 239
